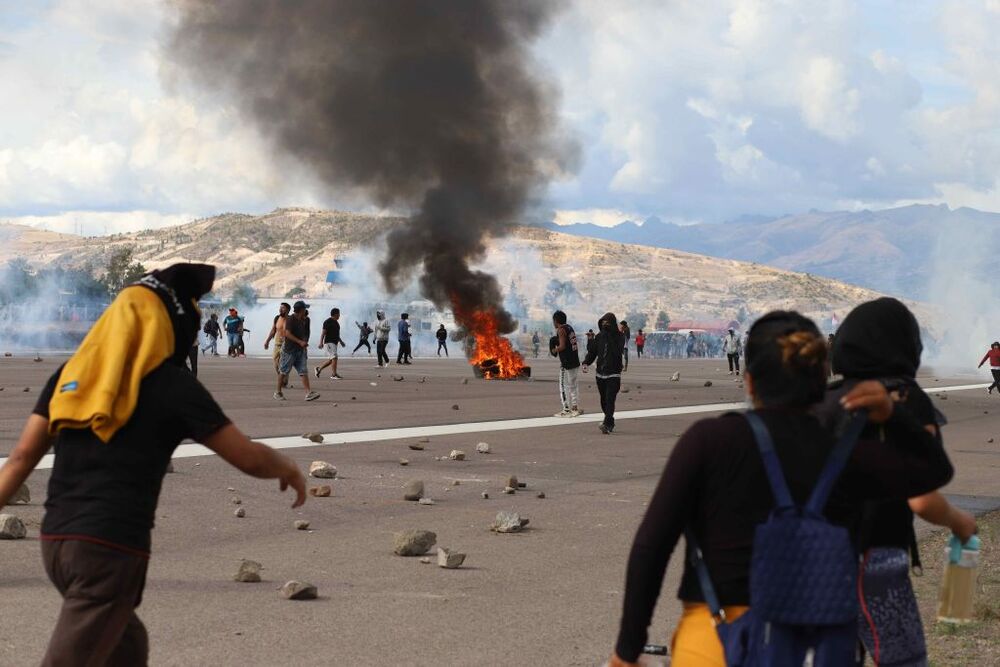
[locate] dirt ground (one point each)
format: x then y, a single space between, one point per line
551 595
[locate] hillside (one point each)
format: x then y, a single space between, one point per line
897 251
295 247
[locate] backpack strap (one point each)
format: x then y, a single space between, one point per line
836 462
704 580
772 466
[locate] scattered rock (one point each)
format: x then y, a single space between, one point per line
37 358
26 389
237 501
465 380
12 528
625 391
240 513
196 465
425 560
313 437
628 473
324 491
485 495
509 490
230 489
374 384
322 470
449 559
990 440
354 398
249 572
675 377
483 448
454 407
708 383
297 590
424 440
23 495
456 483
301 524
398 378
425 501
541 495
414 490
413 542
512 481
457 455
522 485
508 522
416 447
943 396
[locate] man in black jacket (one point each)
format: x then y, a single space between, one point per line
607 352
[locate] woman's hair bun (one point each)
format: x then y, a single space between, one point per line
802 349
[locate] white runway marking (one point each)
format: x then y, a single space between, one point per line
294 441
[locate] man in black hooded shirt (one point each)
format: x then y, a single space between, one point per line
607 350
104 488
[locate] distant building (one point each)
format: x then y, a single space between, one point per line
338 276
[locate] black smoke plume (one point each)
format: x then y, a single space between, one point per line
434 106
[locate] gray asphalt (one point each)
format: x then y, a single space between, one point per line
551 595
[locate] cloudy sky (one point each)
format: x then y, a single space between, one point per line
686 110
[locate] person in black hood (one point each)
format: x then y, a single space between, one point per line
114 414
608 351
880 340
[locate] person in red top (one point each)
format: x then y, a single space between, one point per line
993 354
640 342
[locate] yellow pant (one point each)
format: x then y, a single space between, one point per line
695 642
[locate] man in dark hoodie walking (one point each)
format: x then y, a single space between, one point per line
607 351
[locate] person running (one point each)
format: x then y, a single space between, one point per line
294 350
329 340
442 338
626 334
607 351
993 354
403 336
382 329
890 626
114 414
536 343
732 346
232 325
715 485
364 331
565 347
640 343
212 333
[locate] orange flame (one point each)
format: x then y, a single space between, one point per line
491 346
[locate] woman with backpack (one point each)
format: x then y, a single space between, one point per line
721 483
889 624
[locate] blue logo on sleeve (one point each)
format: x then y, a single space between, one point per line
69 386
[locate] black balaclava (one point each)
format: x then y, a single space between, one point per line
180 286
878 339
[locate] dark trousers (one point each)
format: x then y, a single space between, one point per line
996 379
608 389
380 346
442 346
364 342
404 352
638 350
193 360
734 361
101 589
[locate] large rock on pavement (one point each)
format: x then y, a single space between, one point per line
413 542
449 559
508 522
414 490
249 572
12 528
297 590
322 470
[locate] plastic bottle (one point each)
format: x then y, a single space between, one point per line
958 586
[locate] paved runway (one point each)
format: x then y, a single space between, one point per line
549 595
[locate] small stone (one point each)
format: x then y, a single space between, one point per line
37 358
324 491
230 489
27 389
456 483
507 522
23 495
249 572
424 440
485 495
522 485
374 384
398 378
425 560
465 380
313 437
12 528
416 447
425 501
675 377
541 495
454 407
413 542
457 455
483 448
301 524
509 490
414 490
512 481
240 513
197 465
354 398
625 391
297 590
990 440
404 462
708 383
449 559
628 473
237 501
943 397
422 380
322 470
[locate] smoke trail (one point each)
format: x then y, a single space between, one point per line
429 105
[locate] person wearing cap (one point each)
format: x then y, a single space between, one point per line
233 324
114 414
294 350
403 335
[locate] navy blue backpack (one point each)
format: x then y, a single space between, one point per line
803 574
